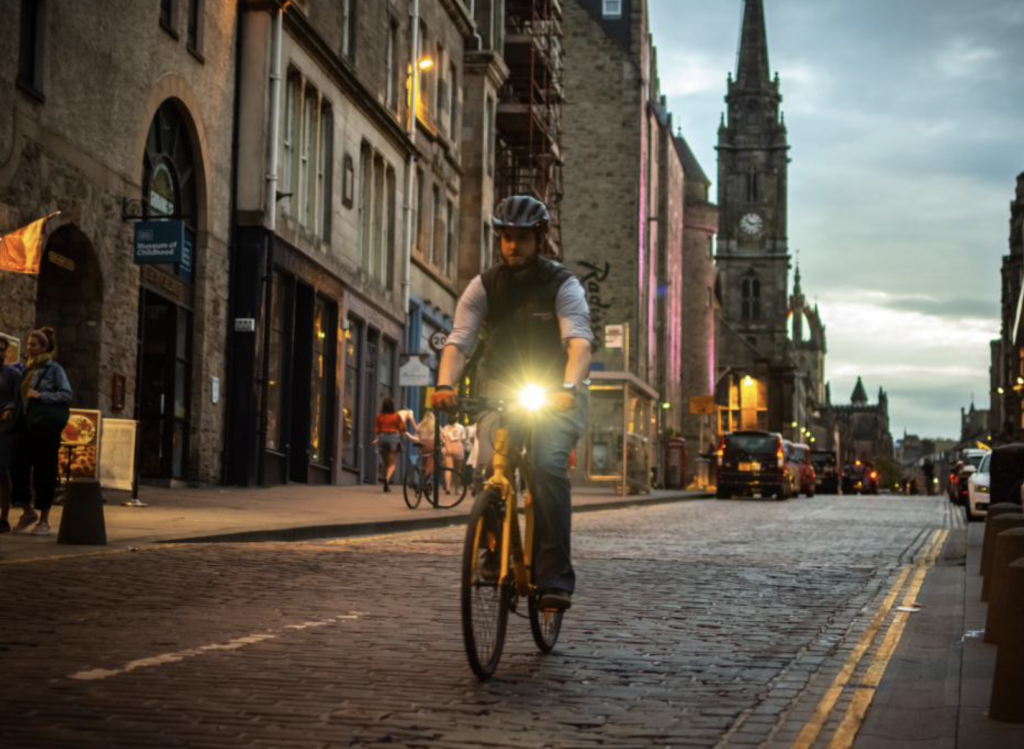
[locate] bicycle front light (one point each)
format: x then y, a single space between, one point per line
532 398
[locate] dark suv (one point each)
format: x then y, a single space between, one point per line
752 463
826 467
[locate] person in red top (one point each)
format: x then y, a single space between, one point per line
389 428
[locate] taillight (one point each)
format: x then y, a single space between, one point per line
874 475
781 455
721 452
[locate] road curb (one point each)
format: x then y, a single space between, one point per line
373 528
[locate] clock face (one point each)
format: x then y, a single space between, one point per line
751 224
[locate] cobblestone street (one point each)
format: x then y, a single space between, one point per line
698 624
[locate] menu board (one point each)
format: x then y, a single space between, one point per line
13 349
80 446
117 458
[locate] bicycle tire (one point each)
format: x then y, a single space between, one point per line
545 624
447 501
485 604
412 487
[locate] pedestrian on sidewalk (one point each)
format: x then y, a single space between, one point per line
10 411
46 393
453 437
389 429
425 436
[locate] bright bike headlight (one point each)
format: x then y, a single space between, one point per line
532 398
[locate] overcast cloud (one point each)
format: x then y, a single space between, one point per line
906 122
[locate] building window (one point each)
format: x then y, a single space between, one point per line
423 97
420 180
352 392
751 293
31 44
391 83
348 28
324 326
325 171
275 368
168 16
449 242
377 216
289 155
307 161
486 248
438 104
195 26
437 239
453 111
612 9
488 145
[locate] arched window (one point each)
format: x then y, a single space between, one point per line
750 289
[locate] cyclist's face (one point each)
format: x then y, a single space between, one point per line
518 246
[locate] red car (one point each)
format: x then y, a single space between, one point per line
798 455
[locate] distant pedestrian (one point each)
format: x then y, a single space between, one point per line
46 394
10 411
425 435
453 436
389 428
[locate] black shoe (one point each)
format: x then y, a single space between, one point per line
5 527
556 599
387 486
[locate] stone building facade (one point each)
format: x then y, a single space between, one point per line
862 428
1007 409
699 299
336 285
114 111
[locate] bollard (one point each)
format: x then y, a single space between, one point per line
1002 523
1009 547
994 510
1007 701
82 519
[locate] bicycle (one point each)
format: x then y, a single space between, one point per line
497 557
416 486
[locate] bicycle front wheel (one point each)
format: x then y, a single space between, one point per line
412 487
485 601
454 489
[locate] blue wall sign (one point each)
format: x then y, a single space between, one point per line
162 242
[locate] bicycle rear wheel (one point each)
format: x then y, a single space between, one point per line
485 601
545 624
454 489
412 487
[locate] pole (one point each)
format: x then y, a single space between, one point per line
438 471
414 90
135 502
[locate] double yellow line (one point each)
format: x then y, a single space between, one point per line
864 692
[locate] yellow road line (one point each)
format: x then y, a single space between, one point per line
846 734
812 729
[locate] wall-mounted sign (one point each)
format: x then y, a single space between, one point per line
413 373
613 335
245 324
437 340
117 386
59 260
162 243
703 405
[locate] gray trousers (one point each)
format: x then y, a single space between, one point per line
554 436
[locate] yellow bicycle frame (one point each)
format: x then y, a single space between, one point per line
511 541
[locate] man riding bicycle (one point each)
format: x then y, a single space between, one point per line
536 311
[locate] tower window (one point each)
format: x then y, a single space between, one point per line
612 9
750 289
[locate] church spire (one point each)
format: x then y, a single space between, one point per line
797 291
752 70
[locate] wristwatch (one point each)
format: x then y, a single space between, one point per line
570 387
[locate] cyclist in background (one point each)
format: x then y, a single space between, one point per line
536 312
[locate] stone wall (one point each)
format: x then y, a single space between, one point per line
80 150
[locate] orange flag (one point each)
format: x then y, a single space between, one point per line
21 250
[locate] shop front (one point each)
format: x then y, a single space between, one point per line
617 451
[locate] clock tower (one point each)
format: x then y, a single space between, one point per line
753 155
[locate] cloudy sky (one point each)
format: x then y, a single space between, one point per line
906 121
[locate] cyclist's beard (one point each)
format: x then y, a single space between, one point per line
524 270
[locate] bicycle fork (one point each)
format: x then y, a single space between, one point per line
511 542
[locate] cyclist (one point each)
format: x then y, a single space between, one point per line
536 312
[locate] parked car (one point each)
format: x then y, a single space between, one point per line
970 460
979 489
752 462
860 477
798 455
826 471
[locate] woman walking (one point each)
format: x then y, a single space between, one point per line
46 394
454 437
389 428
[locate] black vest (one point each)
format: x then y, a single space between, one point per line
523 343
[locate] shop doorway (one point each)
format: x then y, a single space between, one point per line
164 387
70 300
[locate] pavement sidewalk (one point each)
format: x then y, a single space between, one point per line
936 689
282 513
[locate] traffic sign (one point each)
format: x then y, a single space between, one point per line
437 340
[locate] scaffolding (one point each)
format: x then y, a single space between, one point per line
529 117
